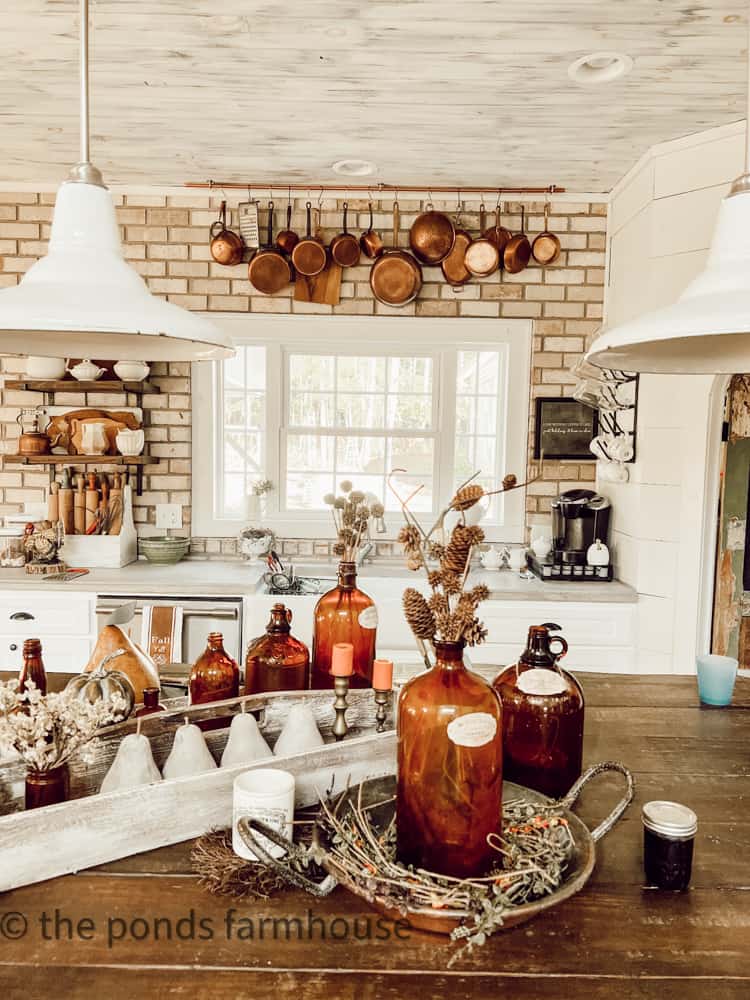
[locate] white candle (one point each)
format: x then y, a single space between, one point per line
267 795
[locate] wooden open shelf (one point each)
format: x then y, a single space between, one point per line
82 459
72 385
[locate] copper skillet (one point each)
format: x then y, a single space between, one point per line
454 266
482 257
371 243
309 256
431 236
287 239
395 277
517 252
497 234
269 270
546 247
345 247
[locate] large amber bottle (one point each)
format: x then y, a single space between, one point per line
450 768
344 614
542 716
276 661
214 675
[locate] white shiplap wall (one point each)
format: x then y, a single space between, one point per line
662 217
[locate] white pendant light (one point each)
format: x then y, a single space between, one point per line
707 330
83 299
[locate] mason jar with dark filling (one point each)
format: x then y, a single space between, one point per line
668 835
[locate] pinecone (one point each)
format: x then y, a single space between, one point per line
451 583
434 578
418 615
475 633
457 551
467 496
436 551
410 538
479 593
509 481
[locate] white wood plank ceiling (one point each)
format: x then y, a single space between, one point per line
471 92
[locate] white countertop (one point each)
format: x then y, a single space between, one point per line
234 578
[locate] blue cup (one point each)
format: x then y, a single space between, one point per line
716 677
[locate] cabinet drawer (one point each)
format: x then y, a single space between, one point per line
29 615
60 656
594 624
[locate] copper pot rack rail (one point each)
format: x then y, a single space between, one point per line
373 189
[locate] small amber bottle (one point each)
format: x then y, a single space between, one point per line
214 675
150 703
276 661
33 666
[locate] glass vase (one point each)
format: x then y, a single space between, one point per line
450 768
214 675
276 661
344 614
45 788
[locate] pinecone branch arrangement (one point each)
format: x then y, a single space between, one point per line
351 517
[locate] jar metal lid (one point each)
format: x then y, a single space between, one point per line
670 819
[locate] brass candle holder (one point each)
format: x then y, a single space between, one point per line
381 700
340 705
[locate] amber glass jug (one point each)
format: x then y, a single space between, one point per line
33 667
542 716
214 675
344 614
450 768
277 661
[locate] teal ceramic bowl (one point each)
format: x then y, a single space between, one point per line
165 551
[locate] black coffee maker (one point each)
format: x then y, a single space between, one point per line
579 517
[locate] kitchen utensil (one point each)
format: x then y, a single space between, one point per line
79 505
517 252
453 264
396 277
546 246
115 503
66 503
345 247
323 288
86 371
53 503
165 551
269 270
370 242
482 257
132 371
309 256
33 441
492 559
226 246
247 212
497 234
92 501
45 368
287 239
130 442
431 236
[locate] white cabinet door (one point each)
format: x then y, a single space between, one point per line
31 613
66 655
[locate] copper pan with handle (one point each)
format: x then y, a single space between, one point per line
395 277
431 236
269 270
498 234
345 247
482 257
517 252
546 246
309 256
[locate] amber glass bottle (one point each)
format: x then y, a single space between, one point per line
33 667
344 614
215 675
150 703
276 661
542 717
450 768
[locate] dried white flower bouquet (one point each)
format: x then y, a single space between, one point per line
46 730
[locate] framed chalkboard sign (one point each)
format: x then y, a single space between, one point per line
564 429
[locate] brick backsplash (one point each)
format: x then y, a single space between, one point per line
166 240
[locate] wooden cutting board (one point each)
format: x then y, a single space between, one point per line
323 289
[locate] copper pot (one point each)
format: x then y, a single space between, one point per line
287 239
482 257
371 243
33 442
546 246
431 236
345 247
453 265
497 234
309 256
517 252
395 277
269 270
226 245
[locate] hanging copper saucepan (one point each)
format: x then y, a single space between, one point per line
269 270
371 243
395 277
546 247
345 247
431 236
226 246
497 234
287 239
454 266
482 257
517 252
309 256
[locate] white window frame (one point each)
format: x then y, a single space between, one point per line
382 335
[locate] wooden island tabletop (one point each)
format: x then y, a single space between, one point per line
105 932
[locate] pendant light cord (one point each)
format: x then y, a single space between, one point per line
85 151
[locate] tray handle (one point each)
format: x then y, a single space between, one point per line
248 827
606 824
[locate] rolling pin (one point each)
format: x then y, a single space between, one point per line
115 505
79 506
104 504
66 503
92 500
53 504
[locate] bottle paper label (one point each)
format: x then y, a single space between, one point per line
540 681
369 617
472 730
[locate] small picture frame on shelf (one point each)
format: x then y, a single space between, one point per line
564 429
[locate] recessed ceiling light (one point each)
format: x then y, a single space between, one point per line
353 167
600 67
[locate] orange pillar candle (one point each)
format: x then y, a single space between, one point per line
382 675
342 659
